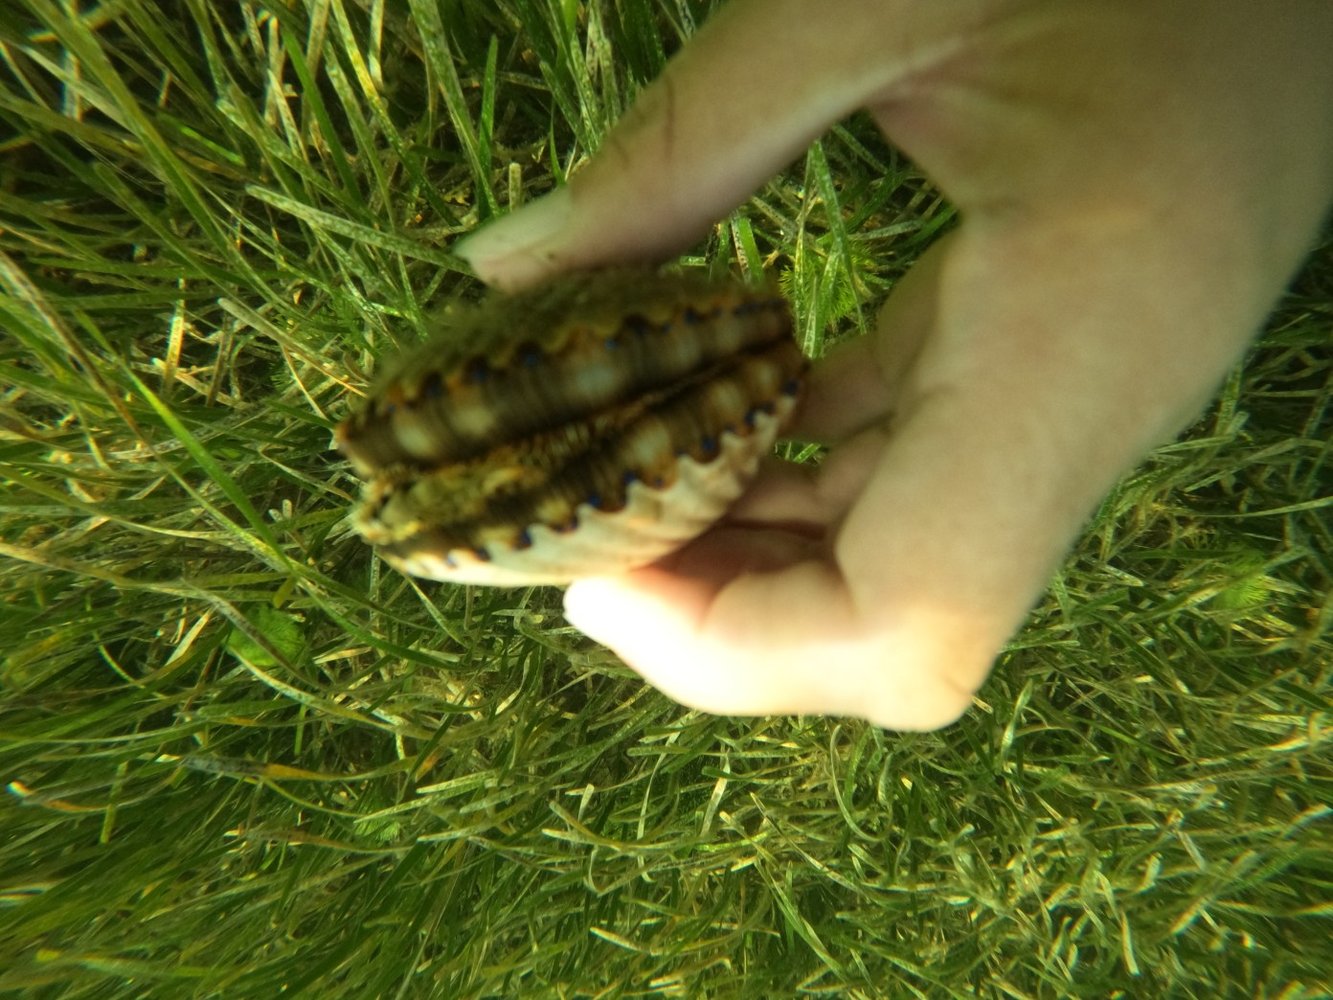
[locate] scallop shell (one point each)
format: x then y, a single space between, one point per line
586 427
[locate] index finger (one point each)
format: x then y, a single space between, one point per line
745 96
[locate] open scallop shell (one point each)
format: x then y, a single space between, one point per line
586 427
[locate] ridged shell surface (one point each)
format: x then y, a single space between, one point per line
585 427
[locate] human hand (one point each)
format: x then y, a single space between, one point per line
1136 181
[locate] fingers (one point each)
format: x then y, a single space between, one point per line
749 93
806 500
850 402
785 642
858 384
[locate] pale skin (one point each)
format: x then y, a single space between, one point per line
1137 182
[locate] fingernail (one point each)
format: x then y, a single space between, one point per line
496 249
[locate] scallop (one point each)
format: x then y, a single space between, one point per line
586 427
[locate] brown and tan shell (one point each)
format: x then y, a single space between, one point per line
586 427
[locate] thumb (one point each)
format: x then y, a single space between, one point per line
743 98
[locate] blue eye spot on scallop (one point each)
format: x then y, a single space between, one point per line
691 316
388 409
478 371
594 500
629 476
530 355
791 387
432 387
482 555
524 540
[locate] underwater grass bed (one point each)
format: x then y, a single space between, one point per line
243 757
